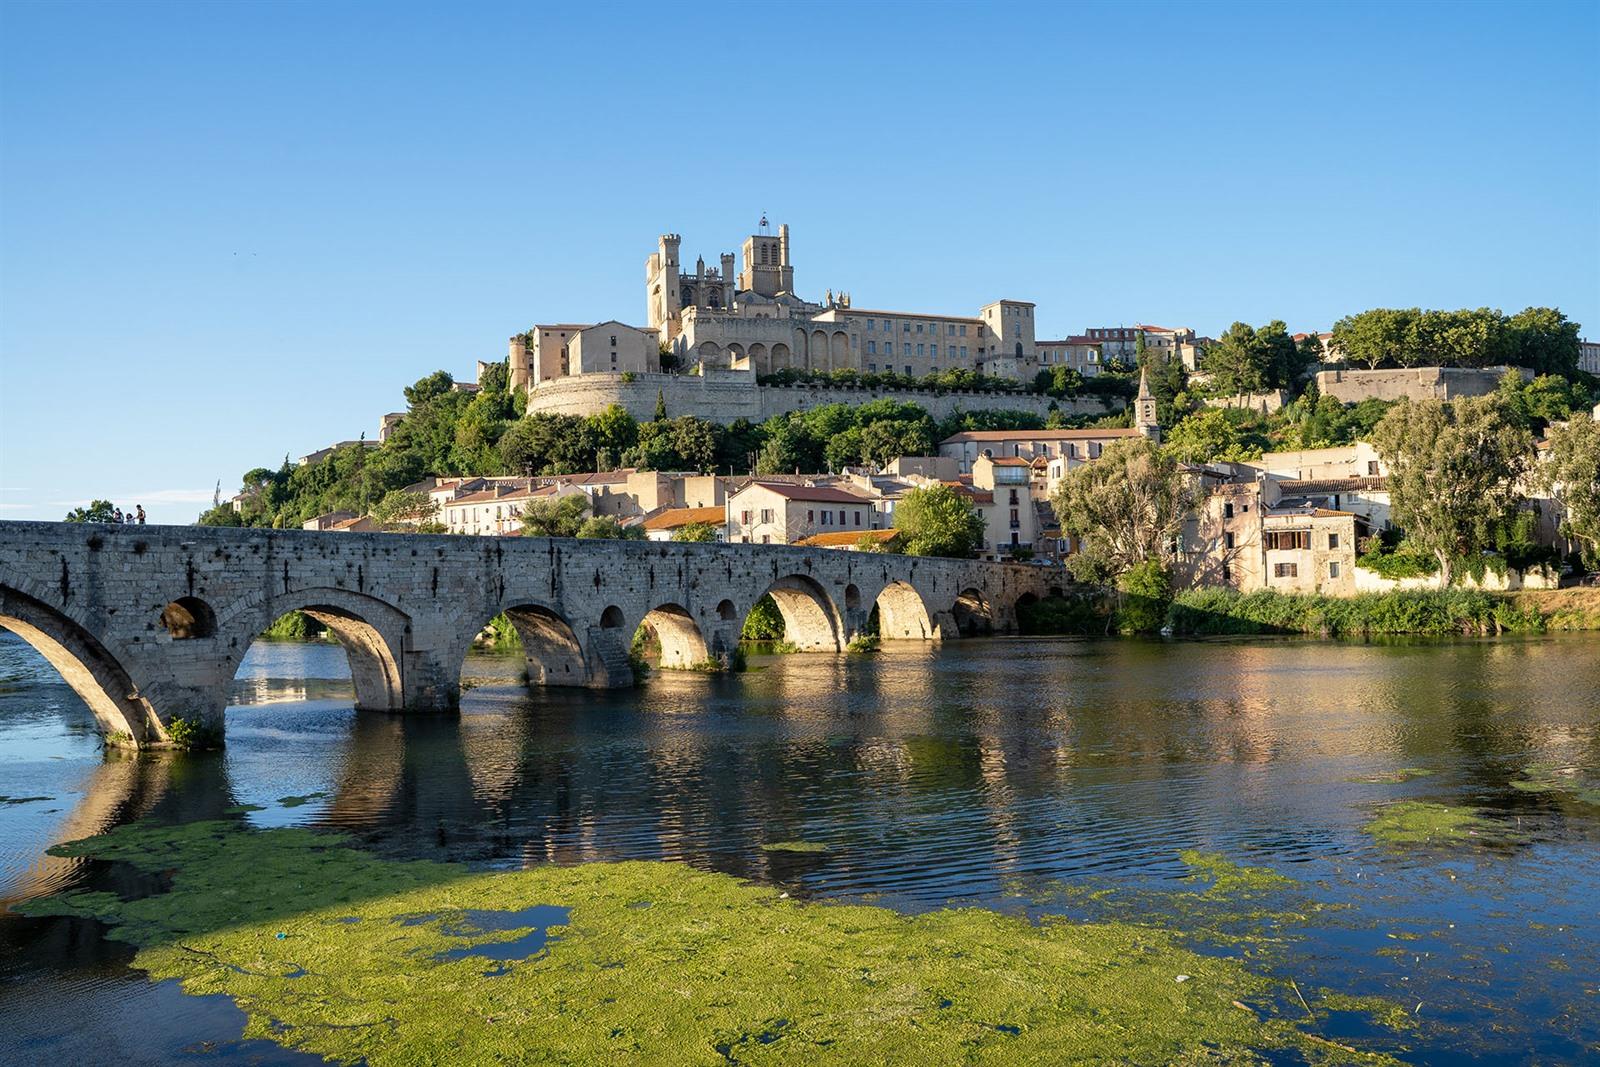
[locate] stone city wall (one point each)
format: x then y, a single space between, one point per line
725 396
1350 386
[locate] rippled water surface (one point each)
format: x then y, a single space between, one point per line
1025 775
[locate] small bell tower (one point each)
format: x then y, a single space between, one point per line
1145 419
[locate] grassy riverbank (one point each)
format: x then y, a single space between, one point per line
358 958
1211 611
1427 612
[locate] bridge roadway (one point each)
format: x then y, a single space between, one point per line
148 624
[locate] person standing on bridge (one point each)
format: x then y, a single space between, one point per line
140 509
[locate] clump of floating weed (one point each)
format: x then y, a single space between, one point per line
1404 774
1421 822
1228 878
339 953
794 846
1551 778
1385 1013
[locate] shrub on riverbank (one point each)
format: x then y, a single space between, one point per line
294 626
1436 612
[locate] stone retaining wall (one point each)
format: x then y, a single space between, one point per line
726 396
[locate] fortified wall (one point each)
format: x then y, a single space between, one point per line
1412 383
725 396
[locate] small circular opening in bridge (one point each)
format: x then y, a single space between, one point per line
726 611
611 618
189 617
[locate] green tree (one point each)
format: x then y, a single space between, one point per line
661 405
1376 337
606 528
496 378
613 431
1144 592
1544 339
1126 508
1211 436
98 511
936 520
695 533
560 516
1571 473
681 444
399 507
1453 472
219 515
1234 364
1310 350
429 388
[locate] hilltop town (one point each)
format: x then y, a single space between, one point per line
743 412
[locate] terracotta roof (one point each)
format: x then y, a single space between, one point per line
1010 461
1040 435
846 538
673 518
823 493
499 493
1302 486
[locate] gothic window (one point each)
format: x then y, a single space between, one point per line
687 297
1019 349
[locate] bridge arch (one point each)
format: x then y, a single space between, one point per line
553 646
372 632
810 619
903 615
973 612
84 664
677 635
549 644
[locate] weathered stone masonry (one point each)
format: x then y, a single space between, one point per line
149 623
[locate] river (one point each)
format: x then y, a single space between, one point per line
1025 775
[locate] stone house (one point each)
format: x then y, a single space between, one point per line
782 513
1073 447
1002 491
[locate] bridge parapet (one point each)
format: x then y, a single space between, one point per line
150 623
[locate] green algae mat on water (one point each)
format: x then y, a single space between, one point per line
337 952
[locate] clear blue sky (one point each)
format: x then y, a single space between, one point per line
231 231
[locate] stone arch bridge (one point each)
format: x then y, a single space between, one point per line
148 624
